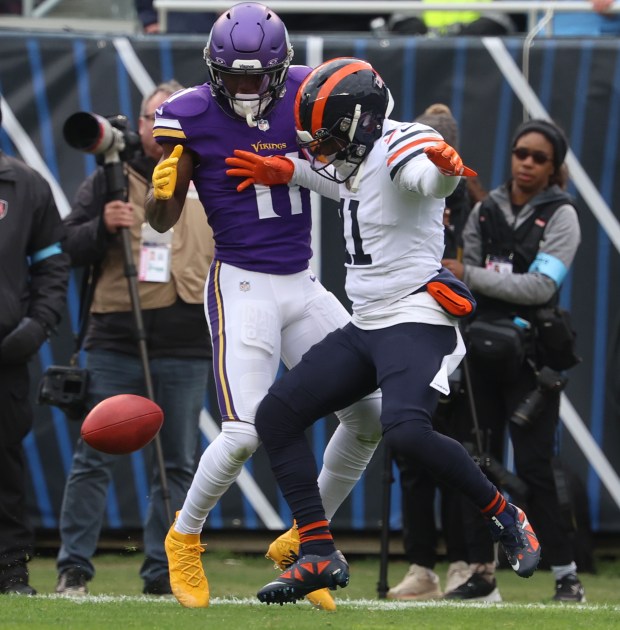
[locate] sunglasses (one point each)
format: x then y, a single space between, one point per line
521 153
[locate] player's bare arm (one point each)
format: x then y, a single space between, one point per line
171 179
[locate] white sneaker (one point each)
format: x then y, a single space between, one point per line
418 583
458 573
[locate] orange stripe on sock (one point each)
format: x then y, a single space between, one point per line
497 499
316 525
318 537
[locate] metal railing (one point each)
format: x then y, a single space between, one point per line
533 9
45 8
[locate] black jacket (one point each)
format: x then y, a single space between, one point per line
29 224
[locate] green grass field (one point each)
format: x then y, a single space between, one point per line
116 602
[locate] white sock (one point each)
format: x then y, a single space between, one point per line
563 570
218 469
348 452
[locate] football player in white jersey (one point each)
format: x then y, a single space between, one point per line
391 179
263 303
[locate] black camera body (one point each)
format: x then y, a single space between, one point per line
64 387
530 409
501 477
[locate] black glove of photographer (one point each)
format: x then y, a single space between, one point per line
22 342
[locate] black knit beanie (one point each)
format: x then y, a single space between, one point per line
552 132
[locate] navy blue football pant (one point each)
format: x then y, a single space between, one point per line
351 363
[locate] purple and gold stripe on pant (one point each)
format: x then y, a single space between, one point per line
215 306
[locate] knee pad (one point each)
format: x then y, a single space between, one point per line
240 438
363 418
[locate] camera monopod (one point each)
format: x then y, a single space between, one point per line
95 134
502 477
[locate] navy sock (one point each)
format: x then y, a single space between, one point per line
315 538
496 506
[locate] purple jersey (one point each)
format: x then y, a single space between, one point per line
263 228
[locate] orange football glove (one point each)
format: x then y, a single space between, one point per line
447 160
268 171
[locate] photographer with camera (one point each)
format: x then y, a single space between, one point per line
519 244
172 271
33 285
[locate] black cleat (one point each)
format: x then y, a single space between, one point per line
476 589
569 589
512 529
16 586
309 573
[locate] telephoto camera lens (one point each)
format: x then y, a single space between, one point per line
549 382
530 409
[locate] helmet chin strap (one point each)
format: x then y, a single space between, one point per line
353 184
356 118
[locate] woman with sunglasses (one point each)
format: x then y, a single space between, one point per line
518 246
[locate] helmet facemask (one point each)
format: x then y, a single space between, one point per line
338 147
270 86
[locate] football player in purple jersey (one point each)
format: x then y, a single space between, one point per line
263 303
391 180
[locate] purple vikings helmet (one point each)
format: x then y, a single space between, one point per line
248 46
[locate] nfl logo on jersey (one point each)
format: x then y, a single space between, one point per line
244 285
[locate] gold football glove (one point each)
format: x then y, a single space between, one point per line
165 175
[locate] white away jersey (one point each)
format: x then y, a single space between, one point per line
393 223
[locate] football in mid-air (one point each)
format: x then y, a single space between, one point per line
122 424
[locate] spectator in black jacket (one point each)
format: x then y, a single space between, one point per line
33 284
518 247
179 351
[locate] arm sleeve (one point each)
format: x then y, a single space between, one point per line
560 241
422 176
307 178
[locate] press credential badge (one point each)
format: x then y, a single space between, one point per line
155 254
